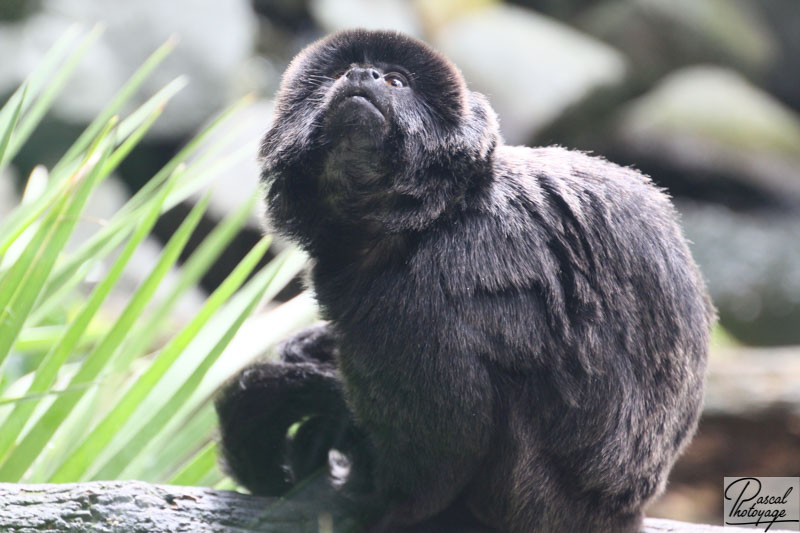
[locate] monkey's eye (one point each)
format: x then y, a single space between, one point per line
395 79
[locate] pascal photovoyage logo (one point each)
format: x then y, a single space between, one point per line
764 503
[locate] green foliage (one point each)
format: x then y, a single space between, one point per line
105 394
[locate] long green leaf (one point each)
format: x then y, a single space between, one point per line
164 453
82 458
58 286
38 396
254 292
43 338
24 215
48 368
204 461
36 81
22 456
21 285
191 273
129 133
183 155
53 296
126 218
169 452
55 58
8 130
120 99
54 87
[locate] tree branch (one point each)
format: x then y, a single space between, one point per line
136 507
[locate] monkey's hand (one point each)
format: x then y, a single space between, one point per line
313 344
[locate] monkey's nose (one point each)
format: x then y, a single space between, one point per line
362 74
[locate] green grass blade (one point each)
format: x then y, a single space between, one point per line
130 212
253 292
22 456
132 138
21 285
155 102
191 273
120 99
39 396
184 429
169 450
82 458
43 338
53 88
8 129
26 214
36 81
70 277
201 175
203 462
48 368
129 132
54 295
226 483
184 154
110 164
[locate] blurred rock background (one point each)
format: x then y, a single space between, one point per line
703 95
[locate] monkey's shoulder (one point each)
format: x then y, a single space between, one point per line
584 182
548 211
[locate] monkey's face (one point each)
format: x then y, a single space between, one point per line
383 86
363 121
361 102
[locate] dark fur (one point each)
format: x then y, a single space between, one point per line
516 336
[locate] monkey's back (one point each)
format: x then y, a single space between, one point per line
553 331
592 310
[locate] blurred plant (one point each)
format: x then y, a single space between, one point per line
107 396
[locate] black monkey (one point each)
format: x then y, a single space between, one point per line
516 336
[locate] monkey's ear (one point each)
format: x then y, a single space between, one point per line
481 129
467 147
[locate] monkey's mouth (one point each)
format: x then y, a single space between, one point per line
360 97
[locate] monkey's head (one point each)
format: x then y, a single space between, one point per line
373 129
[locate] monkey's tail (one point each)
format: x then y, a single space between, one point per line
258 408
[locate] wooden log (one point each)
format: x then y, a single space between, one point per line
137 507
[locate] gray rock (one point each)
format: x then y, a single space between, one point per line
215 39
783 19
530 66
751 382
709 120
752 266
334 15
659 36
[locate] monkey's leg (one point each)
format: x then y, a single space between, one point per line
256 410
455 519
433 484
